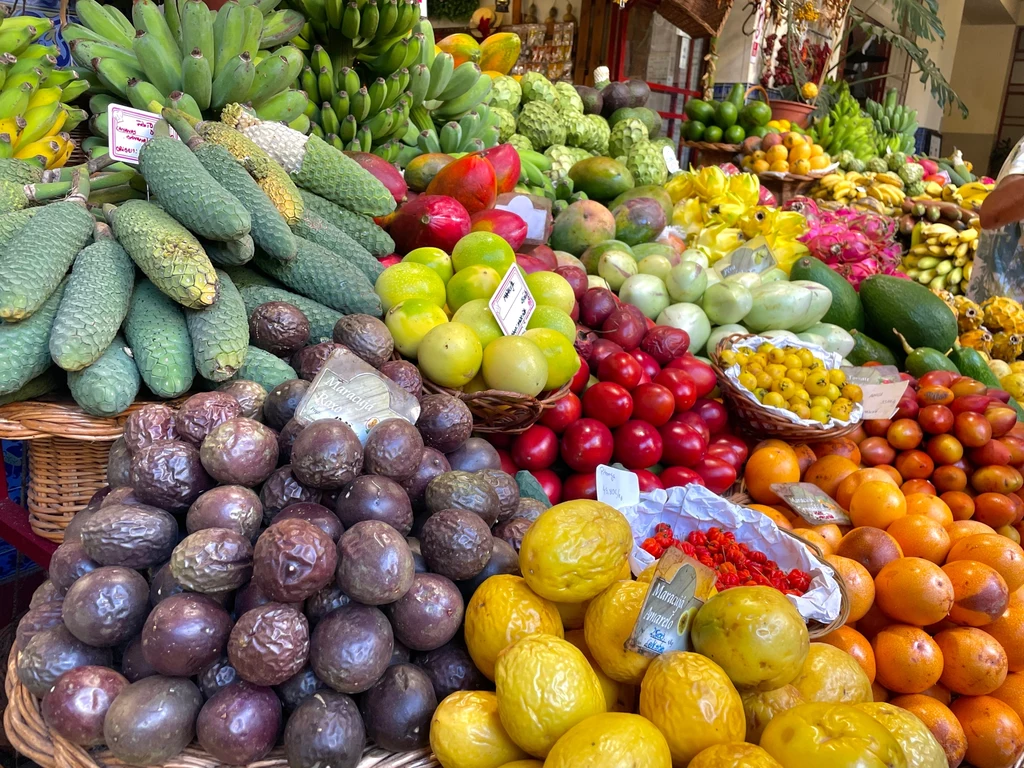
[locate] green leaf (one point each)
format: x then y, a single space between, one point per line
920 17
530 488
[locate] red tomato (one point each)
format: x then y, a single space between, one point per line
620 367
647 362
683 446
562 413
713 413
691 419
637 445
644 379
609 403
717 473
582 486
551 484
507 464
703 375
653 403
676 476
581 377
726 454
586 444
647 479
682 386
536 448
737 445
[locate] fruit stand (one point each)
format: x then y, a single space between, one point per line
385 408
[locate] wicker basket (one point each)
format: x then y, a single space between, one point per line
785 189
67 458
697 18
30 735
758 421
712 153
496 411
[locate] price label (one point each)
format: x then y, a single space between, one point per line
128 130
679 588
512 303
671 161
811 503
872 374
755 256
617 488
882 400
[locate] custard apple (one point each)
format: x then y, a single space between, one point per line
520 142
536 87
540 123
568 99
624 135
506 93
602 133
580 132
647 164
877 165
506 123
562 159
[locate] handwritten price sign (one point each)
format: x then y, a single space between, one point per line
128 130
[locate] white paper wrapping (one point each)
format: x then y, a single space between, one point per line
693 507
830 168
832 360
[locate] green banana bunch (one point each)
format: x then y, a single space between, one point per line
35 97
895 125
845 128
188 57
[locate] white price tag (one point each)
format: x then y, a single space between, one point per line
128 130
671 161
536 218
512 303
617 488
811 503
882 400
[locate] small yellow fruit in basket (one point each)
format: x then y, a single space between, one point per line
779 166
853 392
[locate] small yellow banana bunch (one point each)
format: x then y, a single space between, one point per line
973 194
941 256
35 96
841 188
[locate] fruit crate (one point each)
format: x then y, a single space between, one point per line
31 737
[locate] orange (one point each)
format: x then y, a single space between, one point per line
892 472
907 659
815 538
960 504
931 506
995 735
851 483
831 533
855 644
778 152
877 504
859 586
1012 692
840 446
776 517
829 471
980 595
975 663
1008 629
940 721
772 464
940 693
871 547
800 152
961 529
878 693
804 456
997 551
921 536
914 591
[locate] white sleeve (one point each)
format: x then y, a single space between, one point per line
1014 164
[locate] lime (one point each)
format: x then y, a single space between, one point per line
515 364
555 319
409 280
475 282
485 248
477 315
551 290
435 258
563 362
712 133
735 135
409 322
450 355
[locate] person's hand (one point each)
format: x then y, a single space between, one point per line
1005 204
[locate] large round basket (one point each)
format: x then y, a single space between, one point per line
496 411
756 420
29 735
67 458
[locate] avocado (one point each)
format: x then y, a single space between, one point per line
133 536
78 702
184 633
106 607
367 337
269 644
351 647
592 99
648 117
370 497
846 310
726 115
429 614
639 92
867 350
464 490
445 422
51 653
317 514
615 96
292 560
279 328
375 565
240 451
892 303
212 560
227 506
398 708
698 110
240 723
152 720
325 730
756 114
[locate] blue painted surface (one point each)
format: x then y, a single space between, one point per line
50 9
14 469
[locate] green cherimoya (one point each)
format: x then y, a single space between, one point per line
506 93
603 133
563 159
568 99
915 189
877 165
506 123
536 87
520 142
624 135
910 173
646 162
540 123
895 161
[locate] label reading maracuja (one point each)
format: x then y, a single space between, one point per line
350 390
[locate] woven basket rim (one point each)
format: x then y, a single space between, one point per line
499 411
54 416
713 145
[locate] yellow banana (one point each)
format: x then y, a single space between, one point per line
40 122
968 235
47 149
62 158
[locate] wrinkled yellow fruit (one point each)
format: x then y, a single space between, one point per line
574 550
502 610
832 735
920 747
609 623
761 707
572 614
692 702
611 740
466 732
545 686
734 756
618 697
832 675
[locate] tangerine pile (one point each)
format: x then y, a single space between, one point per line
934 572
